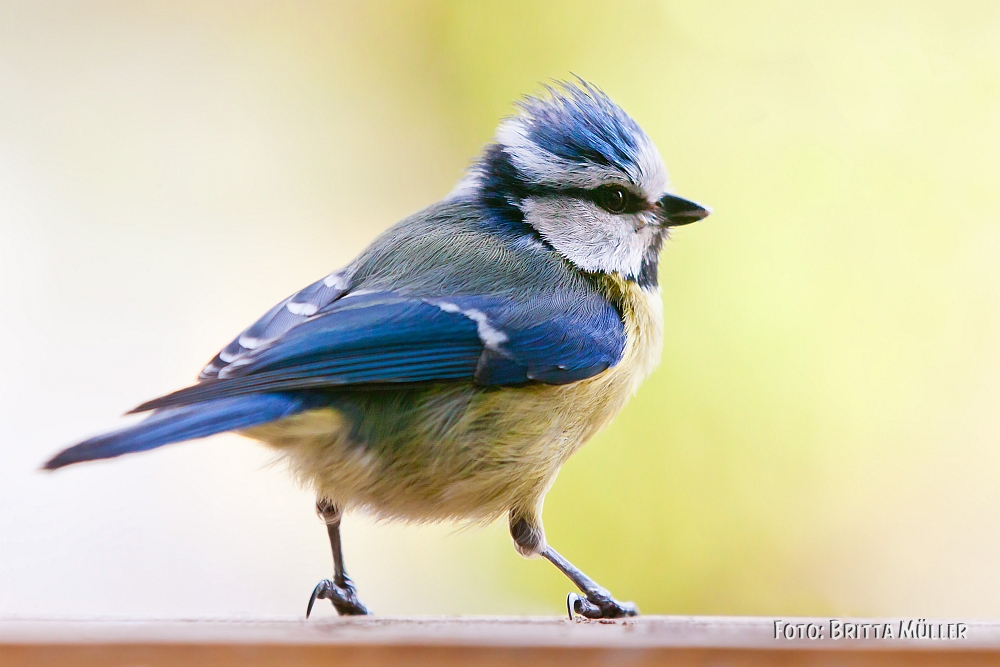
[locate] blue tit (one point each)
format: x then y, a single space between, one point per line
451 369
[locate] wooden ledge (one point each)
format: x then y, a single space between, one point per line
647 640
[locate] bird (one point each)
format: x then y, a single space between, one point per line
451 369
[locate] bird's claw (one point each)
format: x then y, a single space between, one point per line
597 605
344 598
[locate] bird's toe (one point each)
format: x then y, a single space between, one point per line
598 606
343 596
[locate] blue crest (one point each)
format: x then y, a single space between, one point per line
580 123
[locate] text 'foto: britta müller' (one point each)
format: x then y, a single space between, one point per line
904 629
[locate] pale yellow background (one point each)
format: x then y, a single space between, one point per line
822 437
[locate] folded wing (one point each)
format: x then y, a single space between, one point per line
385 338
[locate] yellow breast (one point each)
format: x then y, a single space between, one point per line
600 398
501 453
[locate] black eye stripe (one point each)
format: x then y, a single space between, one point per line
633 202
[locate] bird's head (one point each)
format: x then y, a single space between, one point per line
575 168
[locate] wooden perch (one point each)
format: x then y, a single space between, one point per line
647 640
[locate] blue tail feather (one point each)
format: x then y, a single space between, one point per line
170 425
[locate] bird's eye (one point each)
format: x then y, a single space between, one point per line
613 199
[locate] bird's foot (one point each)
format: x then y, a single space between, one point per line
343 596
599 604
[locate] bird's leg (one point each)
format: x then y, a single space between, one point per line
596 602
340 590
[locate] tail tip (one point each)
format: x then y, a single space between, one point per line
60 460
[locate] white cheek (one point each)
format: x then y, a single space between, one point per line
588 236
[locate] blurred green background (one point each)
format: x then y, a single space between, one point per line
821 437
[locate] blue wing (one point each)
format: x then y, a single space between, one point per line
385 338
285 316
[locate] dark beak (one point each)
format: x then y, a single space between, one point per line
678 211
